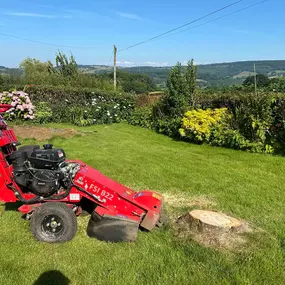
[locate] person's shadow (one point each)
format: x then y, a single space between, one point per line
52 277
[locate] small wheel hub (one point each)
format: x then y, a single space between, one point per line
52 225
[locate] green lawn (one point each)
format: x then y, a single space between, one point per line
246 186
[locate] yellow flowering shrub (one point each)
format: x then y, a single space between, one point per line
198 124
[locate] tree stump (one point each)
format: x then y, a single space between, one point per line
208 222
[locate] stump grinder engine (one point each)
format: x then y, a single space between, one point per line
53 191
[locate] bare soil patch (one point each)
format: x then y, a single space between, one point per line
39 133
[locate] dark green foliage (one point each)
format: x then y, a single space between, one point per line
175 101
181 86
168 126
66 67
191 85
277 85
137 83
277 129
261 80
141 116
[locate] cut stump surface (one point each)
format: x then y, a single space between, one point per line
210 219
211 228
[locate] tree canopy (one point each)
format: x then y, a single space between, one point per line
261 80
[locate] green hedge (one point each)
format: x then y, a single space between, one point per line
81 106
71 95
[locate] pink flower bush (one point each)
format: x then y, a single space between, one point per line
22 107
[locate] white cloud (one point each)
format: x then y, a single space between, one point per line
75 13
197 62
129 16
153 63
36 15
125 63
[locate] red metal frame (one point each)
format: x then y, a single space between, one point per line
111 197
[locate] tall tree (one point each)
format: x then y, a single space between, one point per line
261 80
176 98
36 71
66 67
181 86
191 76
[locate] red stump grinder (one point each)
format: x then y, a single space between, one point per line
53 191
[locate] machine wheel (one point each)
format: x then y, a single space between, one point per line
53 222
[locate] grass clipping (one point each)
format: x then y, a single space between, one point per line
212 229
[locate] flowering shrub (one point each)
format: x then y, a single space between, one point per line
22 107
110 110
197 124
101 110
83 106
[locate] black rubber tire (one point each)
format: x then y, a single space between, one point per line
64 214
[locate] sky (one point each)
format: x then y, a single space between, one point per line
90 28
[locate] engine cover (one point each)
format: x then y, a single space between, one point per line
47 158
44 182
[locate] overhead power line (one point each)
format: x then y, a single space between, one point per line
45 43
182 26
216 19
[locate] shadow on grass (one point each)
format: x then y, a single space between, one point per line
52 277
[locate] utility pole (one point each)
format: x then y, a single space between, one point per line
255 83
115 67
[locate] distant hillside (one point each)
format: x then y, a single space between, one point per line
216 74
220 73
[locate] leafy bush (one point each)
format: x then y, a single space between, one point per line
141 117
261 80
215 127
22 107
43 113
224 135
277 85
277 129
167 126
198 124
